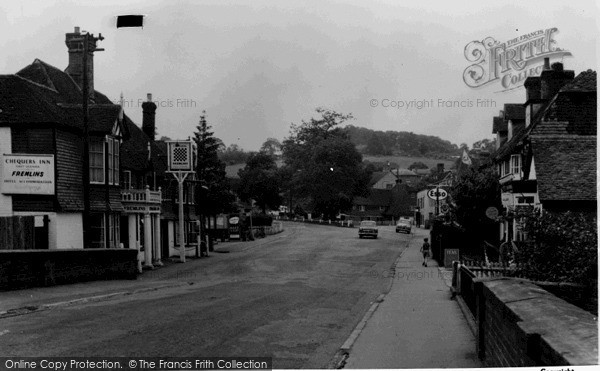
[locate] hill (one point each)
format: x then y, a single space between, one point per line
400 143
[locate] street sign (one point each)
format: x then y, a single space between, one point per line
437 194
492 213
234 220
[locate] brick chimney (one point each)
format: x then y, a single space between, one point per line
74 41
148 119
553 78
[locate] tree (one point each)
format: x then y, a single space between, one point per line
326 166
474 190
213 194
233 154
259 180
418 165
271 146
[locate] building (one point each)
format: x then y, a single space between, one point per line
549 161
133 201
41 120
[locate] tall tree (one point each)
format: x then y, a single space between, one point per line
326 164
260 181
213 195
271 146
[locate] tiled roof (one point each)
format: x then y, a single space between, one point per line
584 82
404 172
18 96
565 167
377 197
550 128
50 76
375 177
514 111
512 145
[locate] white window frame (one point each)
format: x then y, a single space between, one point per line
126 179
361 207
515 164
94 152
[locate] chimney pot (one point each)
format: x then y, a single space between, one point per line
557 66
149 95
76 30
546 63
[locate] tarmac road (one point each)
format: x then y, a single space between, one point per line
296 297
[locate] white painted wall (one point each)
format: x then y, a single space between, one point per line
67 231
5 147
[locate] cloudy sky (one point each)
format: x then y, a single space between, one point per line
257 66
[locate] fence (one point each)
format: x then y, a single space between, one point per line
338 223
274 228
17 233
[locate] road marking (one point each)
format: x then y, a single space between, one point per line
4 332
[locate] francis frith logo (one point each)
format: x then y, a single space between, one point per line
510 62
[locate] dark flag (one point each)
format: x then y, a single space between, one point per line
130 21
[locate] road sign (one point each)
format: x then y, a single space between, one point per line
492 213
437 194
450 255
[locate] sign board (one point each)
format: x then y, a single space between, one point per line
180 155
450 255
437 193
492 213
234 220
28 174
507 200
130 208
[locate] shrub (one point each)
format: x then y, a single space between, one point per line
559 247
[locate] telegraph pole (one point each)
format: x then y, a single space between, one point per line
86 135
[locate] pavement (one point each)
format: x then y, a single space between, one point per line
23 301
416 325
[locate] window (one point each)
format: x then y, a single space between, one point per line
506 169
525 200
114 230
97 239
361 208
126 179
96 161
113 160
515 164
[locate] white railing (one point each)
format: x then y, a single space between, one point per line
141 195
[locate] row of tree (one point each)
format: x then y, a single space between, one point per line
321 166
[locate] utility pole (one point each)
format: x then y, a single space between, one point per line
86 135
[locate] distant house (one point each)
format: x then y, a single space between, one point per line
384 204
549 162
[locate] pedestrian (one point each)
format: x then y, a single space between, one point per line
425 250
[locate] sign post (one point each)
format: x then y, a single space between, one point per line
180 165
437 194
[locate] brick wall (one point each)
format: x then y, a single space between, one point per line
34 268
522 325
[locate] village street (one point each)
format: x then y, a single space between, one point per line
295 296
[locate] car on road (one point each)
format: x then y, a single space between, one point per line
367 228
403 226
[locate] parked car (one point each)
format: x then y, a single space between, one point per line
403 226
367 228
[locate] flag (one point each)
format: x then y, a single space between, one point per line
465 158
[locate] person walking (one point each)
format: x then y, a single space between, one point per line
425 248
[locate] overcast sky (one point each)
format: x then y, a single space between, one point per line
257 66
